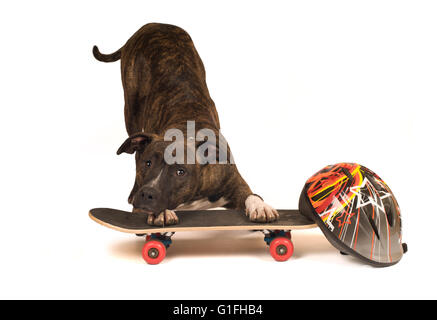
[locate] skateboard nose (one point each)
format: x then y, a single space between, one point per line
146 197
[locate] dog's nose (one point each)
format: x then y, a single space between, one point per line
148 194
146 197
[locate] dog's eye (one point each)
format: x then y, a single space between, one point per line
180 172
148 163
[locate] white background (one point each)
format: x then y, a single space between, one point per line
298 85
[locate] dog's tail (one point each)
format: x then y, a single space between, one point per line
106 57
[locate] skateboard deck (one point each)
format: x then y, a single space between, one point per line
198 220
158 239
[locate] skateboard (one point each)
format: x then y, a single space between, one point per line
277 234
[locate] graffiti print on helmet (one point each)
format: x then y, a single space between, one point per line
357 212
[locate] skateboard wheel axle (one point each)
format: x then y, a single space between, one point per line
153 253
281 250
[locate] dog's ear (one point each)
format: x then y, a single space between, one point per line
136 142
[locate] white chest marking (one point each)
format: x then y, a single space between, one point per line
202 204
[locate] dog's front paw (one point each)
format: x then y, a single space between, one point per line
259 211
167 217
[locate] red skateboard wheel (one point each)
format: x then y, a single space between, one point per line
154 252
281 249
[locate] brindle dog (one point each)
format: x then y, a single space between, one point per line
164 87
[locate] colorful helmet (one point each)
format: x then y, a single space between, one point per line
356 211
